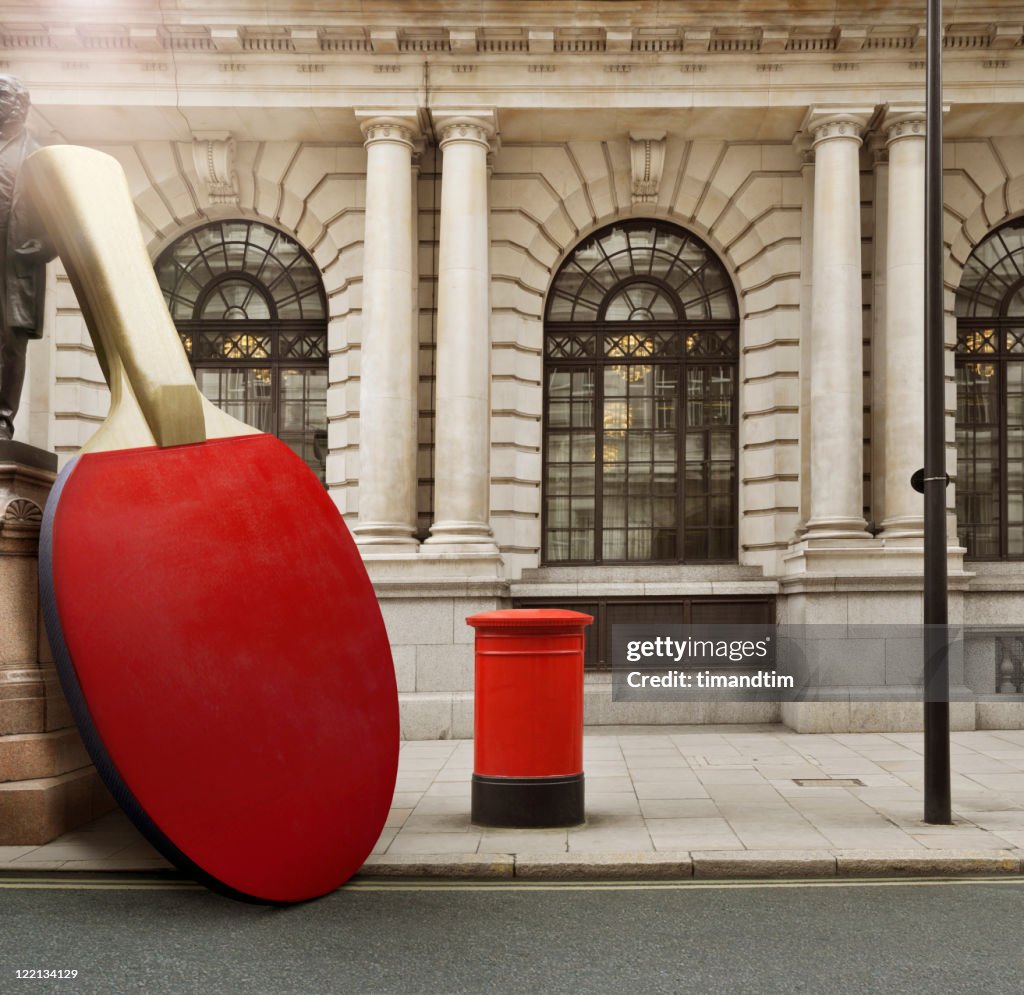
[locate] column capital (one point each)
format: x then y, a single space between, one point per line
418 147
904 122
478 126
389 125
826 123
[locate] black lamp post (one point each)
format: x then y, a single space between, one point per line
937 802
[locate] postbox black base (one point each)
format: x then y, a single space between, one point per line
527 802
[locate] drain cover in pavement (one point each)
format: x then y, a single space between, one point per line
829 782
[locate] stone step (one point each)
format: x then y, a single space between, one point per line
40 755
35 811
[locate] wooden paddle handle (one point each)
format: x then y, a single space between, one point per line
82 198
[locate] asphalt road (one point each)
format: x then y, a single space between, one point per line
894 937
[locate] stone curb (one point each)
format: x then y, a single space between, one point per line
701 864
442 865
663 865
865 863
763 864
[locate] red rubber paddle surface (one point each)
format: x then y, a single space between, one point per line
232 659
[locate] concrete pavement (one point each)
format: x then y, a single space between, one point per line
676 802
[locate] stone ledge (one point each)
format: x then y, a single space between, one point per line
438 587
22 454
642 574
641 589
994 714
862 583
40 755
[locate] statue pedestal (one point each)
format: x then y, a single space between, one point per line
47 784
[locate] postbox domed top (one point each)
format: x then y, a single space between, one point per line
514 618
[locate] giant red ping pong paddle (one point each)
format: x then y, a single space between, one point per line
214 629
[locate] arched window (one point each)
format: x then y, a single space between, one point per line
641 340
250 308
990 397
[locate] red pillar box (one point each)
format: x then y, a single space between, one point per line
528 718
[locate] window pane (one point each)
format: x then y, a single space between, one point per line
581 545
583 479
303 413
242 393
582 446
558 414
615 380
558 512
558 446
558 479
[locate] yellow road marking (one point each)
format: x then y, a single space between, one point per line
78 883
673 885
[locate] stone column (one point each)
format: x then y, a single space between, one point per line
388 358
904 325
462 406
837 331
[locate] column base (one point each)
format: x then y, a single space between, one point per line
903 527
460 539
391 534
832 552
837 528
398 565
864 556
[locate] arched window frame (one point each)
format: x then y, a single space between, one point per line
693 349
279 362
989 362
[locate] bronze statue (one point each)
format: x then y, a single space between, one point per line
24 253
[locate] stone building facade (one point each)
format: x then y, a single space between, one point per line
606 305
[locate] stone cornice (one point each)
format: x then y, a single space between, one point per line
500 28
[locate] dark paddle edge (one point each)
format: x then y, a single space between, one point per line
90 736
